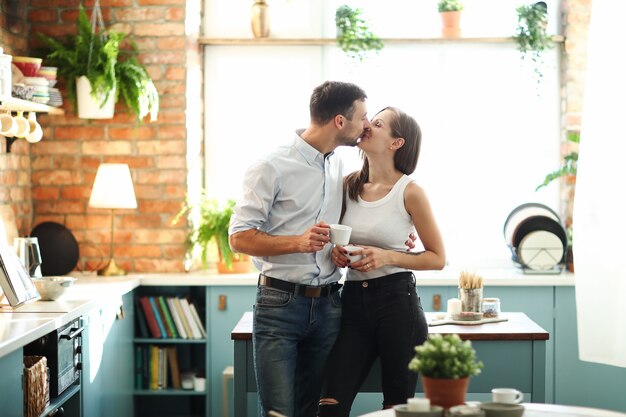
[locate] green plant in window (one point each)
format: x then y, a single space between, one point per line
353 34
449 6
531 36
209 221
569 165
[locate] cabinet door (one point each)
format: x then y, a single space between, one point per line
538 304
238 300
11 369
108 360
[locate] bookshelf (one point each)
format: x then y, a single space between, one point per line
170 351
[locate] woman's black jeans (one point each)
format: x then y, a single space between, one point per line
381 317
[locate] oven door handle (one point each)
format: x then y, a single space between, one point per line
74 332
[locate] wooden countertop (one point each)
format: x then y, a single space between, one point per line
518 327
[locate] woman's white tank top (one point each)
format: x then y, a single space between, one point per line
384 223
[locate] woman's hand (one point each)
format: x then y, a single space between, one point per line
338 255
373 258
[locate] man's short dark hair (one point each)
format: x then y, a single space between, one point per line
332 98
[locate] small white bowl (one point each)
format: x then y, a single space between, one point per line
52 288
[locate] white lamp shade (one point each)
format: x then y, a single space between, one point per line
113 188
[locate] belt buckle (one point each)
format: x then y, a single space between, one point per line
312 292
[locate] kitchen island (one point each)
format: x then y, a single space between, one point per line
513 351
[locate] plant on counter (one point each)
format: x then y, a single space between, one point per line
449 6
209 221
531 35
109 69
353 34
446 363
445 357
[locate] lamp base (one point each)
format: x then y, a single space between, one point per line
111 269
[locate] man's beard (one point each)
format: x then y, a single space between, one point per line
349 141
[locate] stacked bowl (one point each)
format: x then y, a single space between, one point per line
50 74
28 65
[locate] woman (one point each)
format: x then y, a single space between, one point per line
382 316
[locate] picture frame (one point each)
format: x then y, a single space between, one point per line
15 281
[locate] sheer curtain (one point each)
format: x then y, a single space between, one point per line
600 206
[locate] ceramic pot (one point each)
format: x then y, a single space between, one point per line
260 19
451 24
445 392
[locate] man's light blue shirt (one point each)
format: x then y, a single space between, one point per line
284 194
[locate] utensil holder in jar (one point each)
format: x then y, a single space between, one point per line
471 299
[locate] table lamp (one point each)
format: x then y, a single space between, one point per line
113 189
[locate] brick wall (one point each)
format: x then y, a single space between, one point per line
62 167
15 185
64 163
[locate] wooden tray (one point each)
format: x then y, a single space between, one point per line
466 322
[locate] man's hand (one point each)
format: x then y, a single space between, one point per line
410 242
315 238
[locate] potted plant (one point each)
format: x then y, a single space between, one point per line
209 222
95 63
567 171
353 34
446 363
450 11
531 36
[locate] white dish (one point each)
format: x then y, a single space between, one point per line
52 288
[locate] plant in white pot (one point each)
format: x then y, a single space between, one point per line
94 67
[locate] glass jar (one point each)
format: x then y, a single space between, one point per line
5 74
490 307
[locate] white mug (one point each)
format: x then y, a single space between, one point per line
23 127
35 132
506 395
353 248
340 234
8 126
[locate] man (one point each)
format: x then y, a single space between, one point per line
290 198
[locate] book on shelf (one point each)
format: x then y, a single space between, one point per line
150 318
195 329
142 323
159 307
174 367
176 318
154 367
169 323
139 351
197 319
183 317
157 315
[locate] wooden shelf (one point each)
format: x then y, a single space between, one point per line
332 41
16 104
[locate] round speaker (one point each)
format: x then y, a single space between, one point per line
58 247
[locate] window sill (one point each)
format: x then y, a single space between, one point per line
332 41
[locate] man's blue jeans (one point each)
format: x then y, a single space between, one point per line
292 337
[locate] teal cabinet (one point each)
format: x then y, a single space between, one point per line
578 382
11 368
108 360
238 299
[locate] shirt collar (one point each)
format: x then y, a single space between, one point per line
312 155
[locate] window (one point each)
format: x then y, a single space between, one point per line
490 131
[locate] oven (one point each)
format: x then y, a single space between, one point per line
62 349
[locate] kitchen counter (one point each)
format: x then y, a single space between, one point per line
30 321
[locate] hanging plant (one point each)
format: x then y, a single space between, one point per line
531 36
109 69
353 34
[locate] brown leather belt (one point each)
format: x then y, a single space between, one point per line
298 289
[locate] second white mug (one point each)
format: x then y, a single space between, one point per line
340 234
506 395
